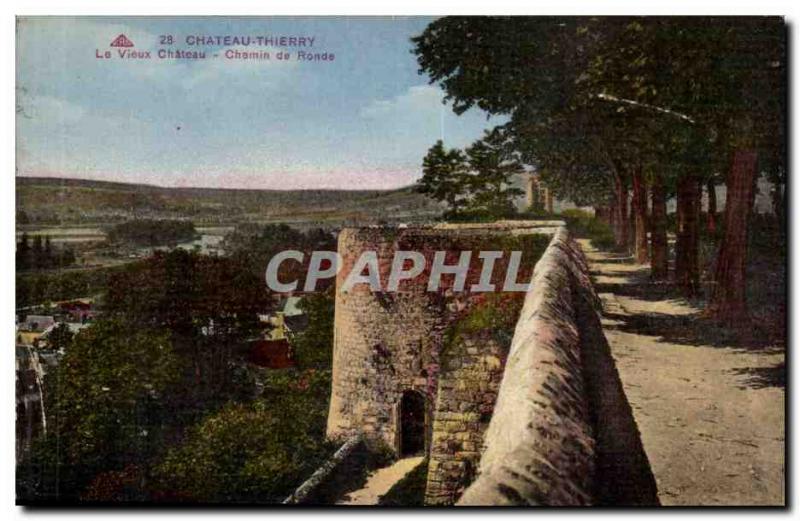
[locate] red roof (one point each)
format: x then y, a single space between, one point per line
275 354
76 304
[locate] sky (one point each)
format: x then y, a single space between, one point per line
361 121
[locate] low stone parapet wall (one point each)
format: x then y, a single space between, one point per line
562 432
309 492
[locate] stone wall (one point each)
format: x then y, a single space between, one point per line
321 486
386 343
467 393
562 432
539 416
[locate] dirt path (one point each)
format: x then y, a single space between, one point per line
380 481
709 404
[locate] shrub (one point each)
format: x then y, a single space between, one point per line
257 452
585 225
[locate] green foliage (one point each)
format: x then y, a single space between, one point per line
38 288
476 184
60 337
257 452
166 351
494 163
313 347
151 232
41 255
106 406
590 98
209 305
444 176
252 246
585 225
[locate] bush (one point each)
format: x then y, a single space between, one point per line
313 347
152 232
107 408
587 226
41 288
255 453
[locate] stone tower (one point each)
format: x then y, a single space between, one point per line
406 374
385 345
537 194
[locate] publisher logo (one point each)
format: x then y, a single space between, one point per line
121 41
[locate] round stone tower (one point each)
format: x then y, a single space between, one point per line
385 347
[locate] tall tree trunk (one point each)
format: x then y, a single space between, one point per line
779 207
729 298
658 231
687 271
711 223
600 213
612 214
631 227
621 233
548 200
639 204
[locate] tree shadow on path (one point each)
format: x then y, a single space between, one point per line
680 328
763 377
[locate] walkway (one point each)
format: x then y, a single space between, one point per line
380 481
709 404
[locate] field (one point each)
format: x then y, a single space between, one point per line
71 202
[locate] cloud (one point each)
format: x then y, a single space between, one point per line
48 108
219 122
418 100
250 74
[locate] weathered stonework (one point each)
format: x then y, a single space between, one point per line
388 344
562 432
466 396
540 419
539 444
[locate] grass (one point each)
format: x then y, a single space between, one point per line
69 201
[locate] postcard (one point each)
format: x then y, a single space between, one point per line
401 261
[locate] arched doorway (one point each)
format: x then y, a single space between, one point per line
412 423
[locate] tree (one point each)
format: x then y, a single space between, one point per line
639 205
37 252
313 347
720 80
444 176
711 217
752 81
535 71
151 232
257 452
60 337
493 163
729 298
106 407
687 269
659 261
23 257
251 246
210 307
48 259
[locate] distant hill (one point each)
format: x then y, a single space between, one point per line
57 201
